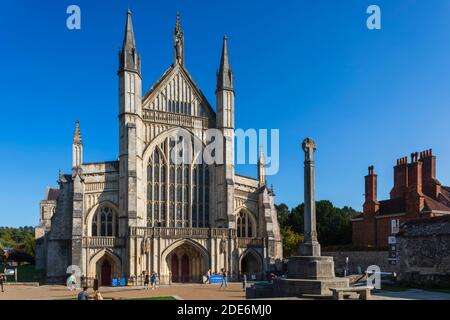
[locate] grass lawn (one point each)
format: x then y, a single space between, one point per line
153 298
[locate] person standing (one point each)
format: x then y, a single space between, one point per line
83 295
244 281
98 295
2 280
224 279
95 286
146 280
208 276
153 280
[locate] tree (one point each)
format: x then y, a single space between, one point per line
18 238
283 213
333 224
291 241
296 218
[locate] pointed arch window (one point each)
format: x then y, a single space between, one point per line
104 223
244 225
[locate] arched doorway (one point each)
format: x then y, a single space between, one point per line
106 273
185 268
186 261
104 266
251 265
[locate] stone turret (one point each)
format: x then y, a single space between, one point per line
262 168
77 147
131 211
129 58
225 123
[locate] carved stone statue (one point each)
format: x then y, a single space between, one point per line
178 41
146 246
178 48
222 245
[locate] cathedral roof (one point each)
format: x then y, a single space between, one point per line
52 194
171 71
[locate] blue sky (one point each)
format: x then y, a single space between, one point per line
308 68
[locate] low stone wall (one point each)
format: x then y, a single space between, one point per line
424 252
359 261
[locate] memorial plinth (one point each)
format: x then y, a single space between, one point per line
310 273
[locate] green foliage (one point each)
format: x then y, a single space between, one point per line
283 214
333 224
18 238
291 241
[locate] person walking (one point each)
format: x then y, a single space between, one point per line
244 281
2 280
153 280
146 280
72 282
224 279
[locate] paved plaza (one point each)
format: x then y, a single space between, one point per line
183 292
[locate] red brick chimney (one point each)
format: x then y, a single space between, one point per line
371 204
430 185
414 198
400 178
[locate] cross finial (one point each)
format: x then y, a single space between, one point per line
309 147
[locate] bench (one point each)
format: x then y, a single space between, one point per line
364 292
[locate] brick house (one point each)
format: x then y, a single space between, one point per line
416 194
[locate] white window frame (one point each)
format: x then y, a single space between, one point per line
395 226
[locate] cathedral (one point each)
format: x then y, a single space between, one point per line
146 212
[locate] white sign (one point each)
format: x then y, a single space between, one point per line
392 240
9 272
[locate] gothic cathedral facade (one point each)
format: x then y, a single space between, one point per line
145 212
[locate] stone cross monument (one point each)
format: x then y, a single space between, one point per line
309 273
310 246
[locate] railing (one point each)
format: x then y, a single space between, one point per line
102 242
172 232
250 242
98 186
175 118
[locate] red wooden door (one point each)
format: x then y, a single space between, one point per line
185 268
106 273
174 268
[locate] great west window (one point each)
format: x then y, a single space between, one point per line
177 193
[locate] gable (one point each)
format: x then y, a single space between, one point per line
176 92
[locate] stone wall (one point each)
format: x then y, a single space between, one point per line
362 259
424 252
58 245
